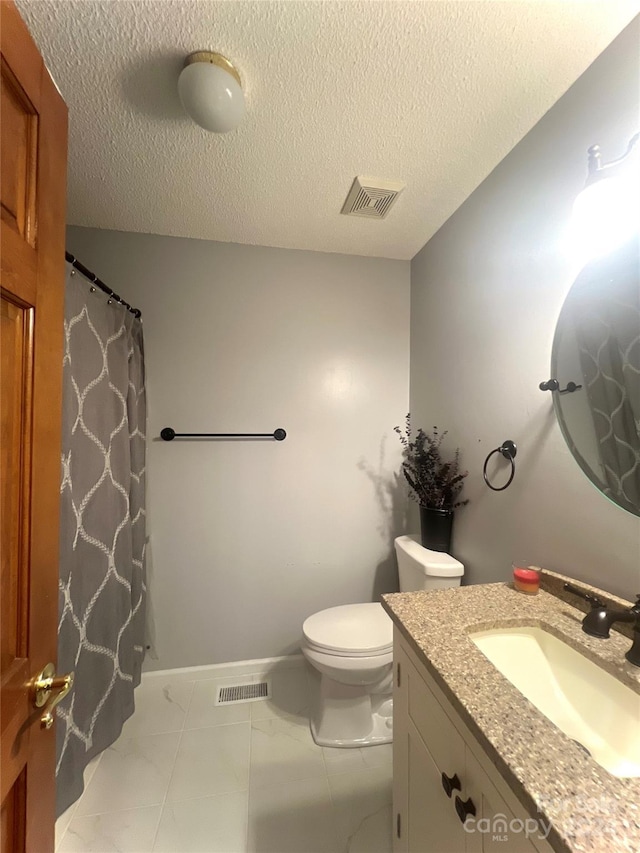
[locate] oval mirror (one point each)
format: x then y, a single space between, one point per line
597 349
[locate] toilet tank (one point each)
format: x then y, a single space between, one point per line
419 568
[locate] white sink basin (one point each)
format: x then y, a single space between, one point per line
588 704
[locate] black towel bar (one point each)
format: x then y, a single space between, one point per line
168 434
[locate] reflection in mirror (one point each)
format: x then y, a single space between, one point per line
597 345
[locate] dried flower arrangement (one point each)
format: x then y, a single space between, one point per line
435 483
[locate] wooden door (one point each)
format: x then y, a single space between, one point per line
401 667
425 745
433 825
500 829
33 191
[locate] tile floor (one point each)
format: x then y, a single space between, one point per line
189 777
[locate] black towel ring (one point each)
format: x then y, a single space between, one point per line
508 449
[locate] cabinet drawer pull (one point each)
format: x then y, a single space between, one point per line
450 784
465 808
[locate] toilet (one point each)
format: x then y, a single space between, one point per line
350 648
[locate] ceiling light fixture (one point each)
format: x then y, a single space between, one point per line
211 92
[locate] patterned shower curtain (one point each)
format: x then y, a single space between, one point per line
607 319
102 586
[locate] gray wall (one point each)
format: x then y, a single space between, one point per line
249 538
485 295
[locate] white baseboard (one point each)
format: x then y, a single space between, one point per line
260 666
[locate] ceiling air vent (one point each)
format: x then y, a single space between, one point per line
371 197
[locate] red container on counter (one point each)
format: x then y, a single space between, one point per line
526 580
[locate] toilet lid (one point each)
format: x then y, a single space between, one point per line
359 629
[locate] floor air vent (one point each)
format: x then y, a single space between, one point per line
233 694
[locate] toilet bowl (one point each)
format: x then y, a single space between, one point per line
350 648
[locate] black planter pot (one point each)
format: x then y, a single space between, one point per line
435 528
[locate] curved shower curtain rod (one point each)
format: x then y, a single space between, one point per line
93 278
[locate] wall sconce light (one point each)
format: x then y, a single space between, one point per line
211 91
607 212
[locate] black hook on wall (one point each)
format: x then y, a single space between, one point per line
507 449
554 385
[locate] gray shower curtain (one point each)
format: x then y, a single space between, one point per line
102 587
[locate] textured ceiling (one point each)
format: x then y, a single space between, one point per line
430 93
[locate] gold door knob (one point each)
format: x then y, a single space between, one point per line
46 684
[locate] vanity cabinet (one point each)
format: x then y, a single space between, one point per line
441 775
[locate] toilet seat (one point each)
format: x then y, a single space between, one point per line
350 630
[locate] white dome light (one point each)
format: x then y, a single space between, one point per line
605 215
210 91
607 212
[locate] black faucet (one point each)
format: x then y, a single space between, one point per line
598 621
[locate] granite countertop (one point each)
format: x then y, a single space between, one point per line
589 809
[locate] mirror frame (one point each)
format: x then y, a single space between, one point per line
579 458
